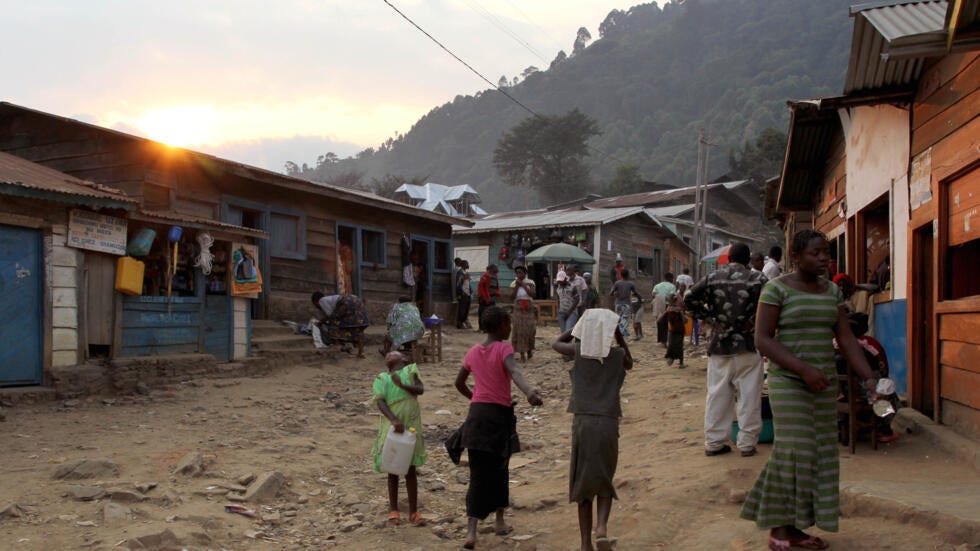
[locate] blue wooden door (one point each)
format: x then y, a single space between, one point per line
21 323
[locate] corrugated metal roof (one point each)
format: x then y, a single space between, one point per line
813 128
15 171
546 219
672 210
196 222
653 197
886 38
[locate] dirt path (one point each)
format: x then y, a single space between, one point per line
314 425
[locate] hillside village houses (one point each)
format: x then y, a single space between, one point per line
890 171
77 196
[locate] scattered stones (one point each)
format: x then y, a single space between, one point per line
71 403
126 496
191 464
350 525
11 511
266 487
736 496
85 493
546 503
87 468
86 524
162 540
142 388
246 479
436 486
145 487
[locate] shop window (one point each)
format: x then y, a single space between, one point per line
656 271
442 261
962 254
644 266
372 247
872 258
838 252
287 236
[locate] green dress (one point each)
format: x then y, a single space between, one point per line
404 405
800 484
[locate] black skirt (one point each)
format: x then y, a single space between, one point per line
490 437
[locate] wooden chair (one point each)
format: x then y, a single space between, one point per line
547 310
854 412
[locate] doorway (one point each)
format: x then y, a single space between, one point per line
21 297
422 261
923 383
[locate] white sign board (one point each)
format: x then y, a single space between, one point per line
478 257
97 232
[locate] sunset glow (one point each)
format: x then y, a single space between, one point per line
181 125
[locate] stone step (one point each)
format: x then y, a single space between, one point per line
281 341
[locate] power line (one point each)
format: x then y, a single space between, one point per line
496 22
485 79
539 27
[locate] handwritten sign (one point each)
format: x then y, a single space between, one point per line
97 232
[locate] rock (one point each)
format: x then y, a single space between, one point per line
546 503
145 487
71 403
191 464
86 523
85 493
462 477
302 499
126 496
272 517
162 540
11 511
245 479
436 486
114 511
265 488
350 500
3 416
736 496
87 468
142 388
350 525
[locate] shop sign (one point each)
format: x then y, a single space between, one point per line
97 232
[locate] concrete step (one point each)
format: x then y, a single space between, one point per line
12 396
281 341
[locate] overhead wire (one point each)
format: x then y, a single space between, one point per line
496 22
485 79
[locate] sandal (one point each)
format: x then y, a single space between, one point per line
776 544
603 544
417 519
507 529
809 542
394 519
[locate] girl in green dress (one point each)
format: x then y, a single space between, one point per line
396 394
799 315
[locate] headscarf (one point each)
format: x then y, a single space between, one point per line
595 330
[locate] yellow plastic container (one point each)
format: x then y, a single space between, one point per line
129 275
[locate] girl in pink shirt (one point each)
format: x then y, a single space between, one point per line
490 431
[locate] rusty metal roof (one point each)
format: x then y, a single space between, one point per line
549 219
196 222
23 178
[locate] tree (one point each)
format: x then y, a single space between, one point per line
386 185
503 82
528 72
292 168
611 23
559 59
627 180
582 37
547 153
762 157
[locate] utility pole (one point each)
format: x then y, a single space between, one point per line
695 230
699 237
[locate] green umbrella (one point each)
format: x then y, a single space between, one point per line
559 252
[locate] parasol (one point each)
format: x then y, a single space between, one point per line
718 256
559 252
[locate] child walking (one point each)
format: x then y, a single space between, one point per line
396 394
676 320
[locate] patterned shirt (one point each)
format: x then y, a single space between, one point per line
727 299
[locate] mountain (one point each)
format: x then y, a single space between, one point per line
652 80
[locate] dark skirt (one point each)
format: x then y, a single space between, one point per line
348 320
675 346
595 453
524 326
490 437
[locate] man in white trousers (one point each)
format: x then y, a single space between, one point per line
727 299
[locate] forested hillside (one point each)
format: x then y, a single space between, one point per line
652 78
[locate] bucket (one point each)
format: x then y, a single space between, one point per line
141 243
175 233
766 435
397 452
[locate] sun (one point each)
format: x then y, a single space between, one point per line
178 125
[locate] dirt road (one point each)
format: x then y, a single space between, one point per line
315 426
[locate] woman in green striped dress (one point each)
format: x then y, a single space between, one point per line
799 315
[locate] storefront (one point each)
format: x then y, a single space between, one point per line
185 287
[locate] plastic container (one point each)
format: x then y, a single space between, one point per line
129 275
766 435
397 452
141 243
431 321
175 233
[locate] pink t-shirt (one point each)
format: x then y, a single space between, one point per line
491 381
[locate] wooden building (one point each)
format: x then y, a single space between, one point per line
648 249
304 236
47 318
891 172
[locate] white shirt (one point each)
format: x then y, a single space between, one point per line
771 270
328 304
685 280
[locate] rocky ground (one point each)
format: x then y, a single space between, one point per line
158 471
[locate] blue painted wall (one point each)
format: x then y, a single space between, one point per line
890 325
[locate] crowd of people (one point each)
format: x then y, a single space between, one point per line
800 321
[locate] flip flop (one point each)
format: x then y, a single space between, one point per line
394 519
776 544
810 542
417 519
603 544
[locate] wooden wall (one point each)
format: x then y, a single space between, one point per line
945 149
833 190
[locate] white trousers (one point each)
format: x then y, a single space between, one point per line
733 381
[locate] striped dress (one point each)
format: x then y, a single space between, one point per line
799 486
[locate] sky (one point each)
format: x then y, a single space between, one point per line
262 82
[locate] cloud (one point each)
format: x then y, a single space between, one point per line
272 154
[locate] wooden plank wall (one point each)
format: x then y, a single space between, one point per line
945 125
833 190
